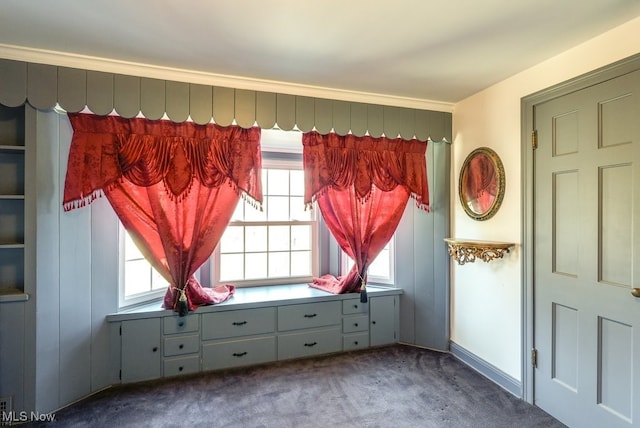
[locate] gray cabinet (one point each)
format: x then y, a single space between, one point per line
180 345
225 336
355 324
141 354
238 338
383 315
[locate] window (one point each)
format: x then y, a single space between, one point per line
276 245
139 282
381 270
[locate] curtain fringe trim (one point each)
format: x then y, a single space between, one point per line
83 202
421 205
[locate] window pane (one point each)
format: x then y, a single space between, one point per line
277 208
232 240
278 265
381 266
238 214
298 211
254 214
301 263
231 267
255 238
157 281
131 251
256 266
137 277
279 238
277 182
297 182
301 237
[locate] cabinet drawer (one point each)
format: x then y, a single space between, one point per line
309 343
354 306
175 324
181 365
355 341
309 315
355 323
237 353
179 345
245 322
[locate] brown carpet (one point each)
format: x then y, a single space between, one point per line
398 386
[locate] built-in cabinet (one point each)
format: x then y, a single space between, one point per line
16 238
218 337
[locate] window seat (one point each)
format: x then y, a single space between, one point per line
255 297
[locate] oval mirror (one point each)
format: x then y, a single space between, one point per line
482 183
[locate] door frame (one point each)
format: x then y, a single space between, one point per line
527 110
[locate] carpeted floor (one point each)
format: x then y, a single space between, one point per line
398 386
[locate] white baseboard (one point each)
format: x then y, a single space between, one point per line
487 370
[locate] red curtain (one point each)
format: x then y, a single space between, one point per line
174 187
362 185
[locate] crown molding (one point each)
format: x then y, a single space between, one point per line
86 62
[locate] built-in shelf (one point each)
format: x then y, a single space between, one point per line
12 245
8 295
467 251
9 148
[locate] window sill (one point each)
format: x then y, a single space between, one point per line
255 297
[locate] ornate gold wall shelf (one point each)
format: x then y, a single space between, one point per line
467 251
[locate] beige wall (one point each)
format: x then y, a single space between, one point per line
486 298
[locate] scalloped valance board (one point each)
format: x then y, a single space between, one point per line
43 86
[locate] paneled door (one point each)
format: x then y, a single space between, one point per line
587 255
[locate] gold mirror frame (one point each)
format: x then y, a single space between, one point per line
482 184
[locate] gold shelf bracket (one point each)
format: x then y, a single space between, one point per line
467 251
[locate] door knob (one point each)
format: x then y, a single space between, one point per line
635 292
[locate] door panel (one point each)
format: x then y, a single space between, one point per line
586 241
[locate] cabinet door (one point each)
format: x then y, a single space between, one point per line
383 313
141 350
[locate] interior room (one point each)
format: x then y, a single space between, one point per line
530 284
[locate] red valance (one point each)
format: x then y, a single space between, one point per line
343 161
109 148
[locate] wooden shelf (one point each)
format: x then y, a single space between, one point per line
467 251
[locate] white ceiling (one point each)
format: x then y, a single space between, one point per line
415 49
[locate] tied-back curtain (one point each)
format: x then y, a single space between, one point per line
362 185
174 187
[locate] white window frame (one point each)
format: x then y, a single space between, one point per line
346 263
139 298
275 163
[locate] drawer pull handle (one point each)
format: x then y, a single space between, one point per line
181 324
373 322
355 343
239 322
355 324
181 346
355 306
310 344
155 349
239 354
180 368
310 315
